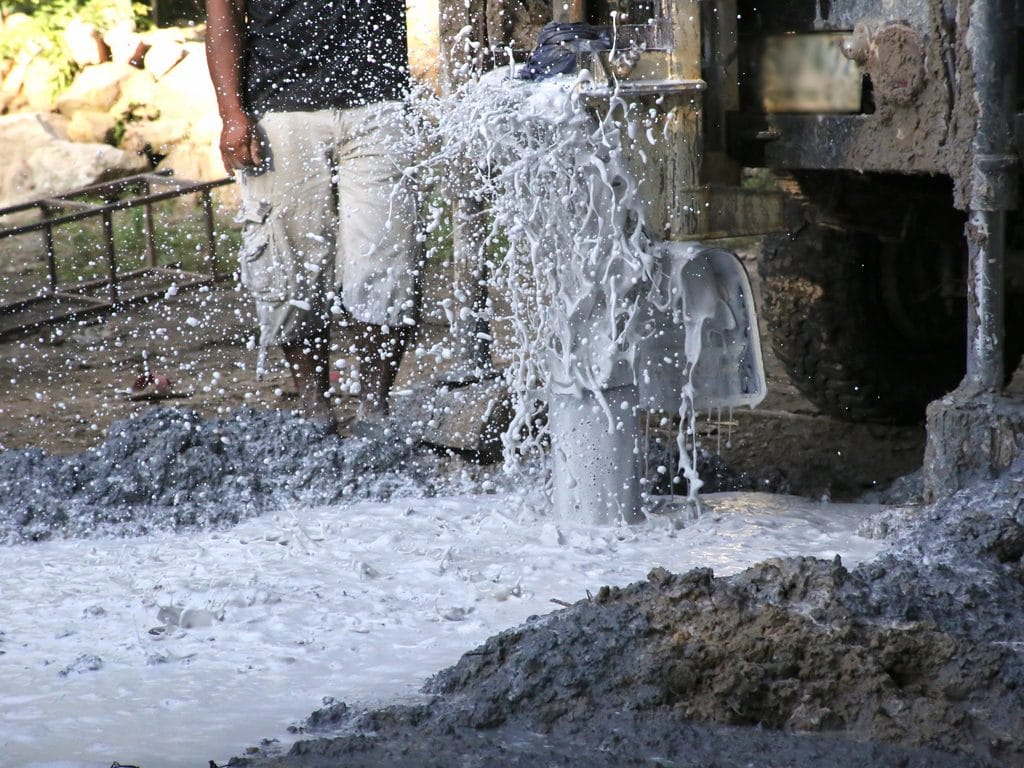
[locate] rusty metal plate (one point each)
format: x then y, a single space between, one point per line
809 73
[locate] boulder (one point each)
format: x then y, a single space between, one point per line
91 127
14 76
10 23
187 89
10 89
163 55
197 162
85 44
206 128
138 96
96 88
126 46
156 136
37 88
423 41
40 161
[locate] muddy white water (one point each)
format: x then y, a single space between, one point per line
174 649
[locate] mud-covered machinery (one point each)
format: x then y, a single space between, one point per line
892 127
895 274
874 144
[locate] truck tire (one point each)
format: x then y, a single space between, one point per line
867 327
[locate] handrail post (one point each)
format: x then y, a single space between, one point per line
108 237
149 229
51 254
211 234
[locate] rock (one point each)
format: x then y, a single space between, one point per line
14 74
12 22
156 136
12 81
37 89
423 43
85 44
96 88
1008 546
187 90
40 161
138 97
87 662
188 160
163 55
126 46
206 128
91 127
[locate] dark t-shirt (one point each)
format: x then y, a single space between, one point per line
304 55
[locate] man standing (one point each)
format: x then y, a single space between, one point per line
310 94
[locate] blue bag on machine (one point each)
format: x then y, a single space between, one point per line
557 46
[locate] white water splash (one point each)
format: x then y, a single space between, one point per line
568 245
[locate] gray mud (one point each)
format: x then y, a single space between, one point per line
169 469
914 659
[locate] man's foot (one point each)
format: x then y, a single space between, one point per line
374 431
325 427
368 423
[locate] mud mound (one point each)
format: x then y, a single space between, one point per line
171 469
777 647
912 660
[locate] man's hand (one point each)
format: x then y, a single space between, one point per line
240 143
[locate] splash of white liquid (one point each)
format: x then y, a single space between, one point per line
570 249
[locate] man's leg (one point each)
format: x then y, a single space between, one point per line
377 245
309 363
379 355
287 259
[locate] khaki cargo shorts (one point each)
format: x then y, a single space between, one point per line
328 222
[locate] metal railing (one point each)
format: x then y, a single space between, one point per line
56 302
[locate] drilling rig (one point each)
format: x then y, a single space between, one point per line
873 145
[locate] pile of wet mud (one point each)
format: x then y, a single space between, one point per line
170 469
913 659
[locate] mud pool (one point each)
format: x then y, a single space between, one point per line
913 658
175 648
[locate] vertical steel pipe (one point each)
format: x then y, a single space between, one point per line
992 44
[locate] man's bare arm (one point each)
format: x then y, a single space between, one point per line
225 53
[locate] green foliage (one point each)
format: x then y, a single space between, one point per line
105 14
42 34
